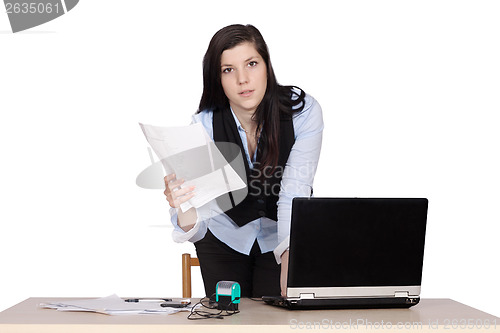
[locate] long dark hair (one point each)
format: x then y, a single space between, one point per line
279 101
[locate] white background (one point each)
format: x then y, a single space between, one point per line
409 91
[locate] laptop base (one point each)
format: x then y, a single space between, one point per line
341 303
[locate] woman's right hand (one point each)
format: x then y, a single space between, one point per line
174 193
176 196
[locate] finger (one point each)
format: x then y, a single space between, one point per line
173 197
169 177
172 201
183 191
183 199
175 203
173 184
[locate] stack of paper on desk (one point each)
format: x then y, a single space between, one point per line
192 155
111 305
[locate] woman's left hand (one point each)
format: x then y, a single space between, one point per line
284 272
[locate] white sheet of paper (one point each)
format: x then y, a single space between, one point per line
172 140
214 185
111 305
173 146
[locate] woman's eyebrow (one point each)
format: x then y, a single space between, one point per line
251 58
247 60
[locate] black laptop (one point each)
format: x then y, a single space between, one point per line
355 253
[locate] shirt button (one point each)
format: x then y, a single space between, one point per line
260 201
262 213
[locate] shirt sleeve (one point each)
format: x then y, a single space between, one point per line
199 229
300 168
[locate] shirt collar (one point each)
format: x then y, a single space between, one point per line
238 124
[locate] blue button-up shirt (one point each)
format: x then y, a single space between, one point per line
297 181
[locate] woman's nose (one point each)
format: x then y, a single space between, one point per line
242 77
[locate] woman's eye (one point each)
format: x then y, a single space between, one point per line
252 63
227 70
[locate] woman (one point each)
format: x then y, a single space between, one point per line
279 130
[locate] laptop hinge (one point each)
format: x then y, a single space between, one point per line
307 296
401 294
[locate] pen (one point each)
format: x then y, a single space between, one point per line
181 304
135 300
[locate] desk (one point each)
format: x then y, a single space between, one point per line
431 315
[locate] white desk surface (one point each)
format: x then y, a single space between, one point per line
430 315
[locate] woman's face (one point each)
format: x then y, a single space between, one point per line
243 77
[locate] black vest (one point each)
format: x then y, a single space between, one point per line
261 195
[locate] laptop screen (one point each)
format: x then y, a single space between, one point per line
352 242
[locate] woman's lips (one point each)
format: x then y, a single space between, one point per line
246 93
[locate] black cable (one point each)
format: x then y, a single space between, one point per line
209 315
